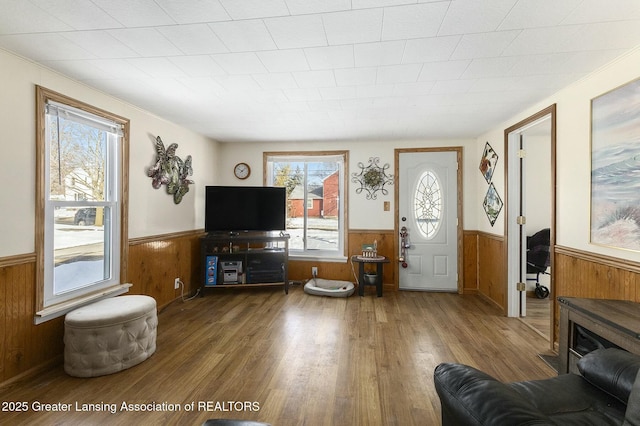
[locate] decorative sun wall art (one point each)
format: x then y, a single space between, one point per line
492 204
615 161
488 162
372 178
170 170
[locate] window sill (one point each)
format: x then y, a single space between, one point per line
60 309
317 258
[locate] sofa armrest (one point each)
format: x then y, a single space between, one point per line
470 397
611 370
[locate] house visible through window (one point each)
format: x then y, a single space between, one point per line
81 191
315 200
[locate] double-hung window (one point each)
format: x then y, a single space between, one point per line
81 203
316 201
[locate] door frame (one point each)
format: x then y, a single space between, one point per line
509 250
396 220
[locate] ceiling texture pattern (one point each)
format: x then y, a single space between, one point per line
317 70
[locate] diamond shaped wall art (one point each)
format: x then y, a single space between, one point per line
488 162
492 204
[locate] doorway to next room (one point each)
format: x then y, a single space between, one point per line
530 220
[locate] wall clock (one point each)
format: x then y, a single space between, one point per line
242 170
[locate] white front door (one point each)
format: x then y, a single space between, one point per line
427 207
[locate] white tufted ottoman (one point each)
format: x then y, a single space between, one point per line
109 335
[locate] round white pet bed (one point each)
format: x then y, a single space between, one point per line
331 288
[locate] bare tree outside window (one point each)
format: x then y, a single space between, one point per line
78 159
78 150
82 155
314 205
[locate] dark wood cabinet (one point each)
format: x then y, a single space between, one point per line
244 259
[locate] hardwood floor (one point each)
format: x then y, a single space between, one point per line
293 360
539 316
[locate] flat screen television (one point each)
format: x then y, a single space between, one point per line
245 208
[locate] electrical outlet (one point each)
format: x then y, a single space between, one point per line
176 283
314 271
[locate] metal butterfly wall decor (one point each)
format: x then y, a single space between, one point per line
170 170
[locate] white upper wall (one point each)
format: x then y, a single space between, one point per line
538 182
573 153
153 212
363 213
150 211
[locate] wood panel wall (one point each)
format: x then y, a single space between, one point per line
24 345
578 273
300 270
470 266
25 348
492 282
155 261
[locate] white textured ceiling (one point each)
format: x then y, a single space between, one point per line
314 70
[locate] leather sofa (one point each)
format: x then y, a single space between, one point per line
602 394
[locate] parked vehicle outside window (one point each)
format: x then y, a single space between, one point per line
85 217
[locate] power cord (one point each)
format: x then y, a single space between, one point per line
353 270
182 292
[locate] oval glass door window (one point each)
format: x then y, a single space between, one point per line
427 202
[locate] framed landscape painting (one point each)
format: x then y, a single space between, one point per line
615 168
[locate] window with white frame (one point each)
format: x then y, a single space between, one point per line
316 202
82 159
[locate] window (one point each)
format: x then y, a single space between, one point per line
427 202
316 204
82 158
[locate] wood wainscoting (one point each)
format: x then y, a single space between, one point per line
482 269
578 273
25 348
470 265
300 270
23 345
492 282
155 262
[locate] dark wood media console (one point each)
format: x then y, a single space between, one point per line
246 259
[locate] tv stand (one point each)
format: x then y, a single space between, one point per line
244 259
